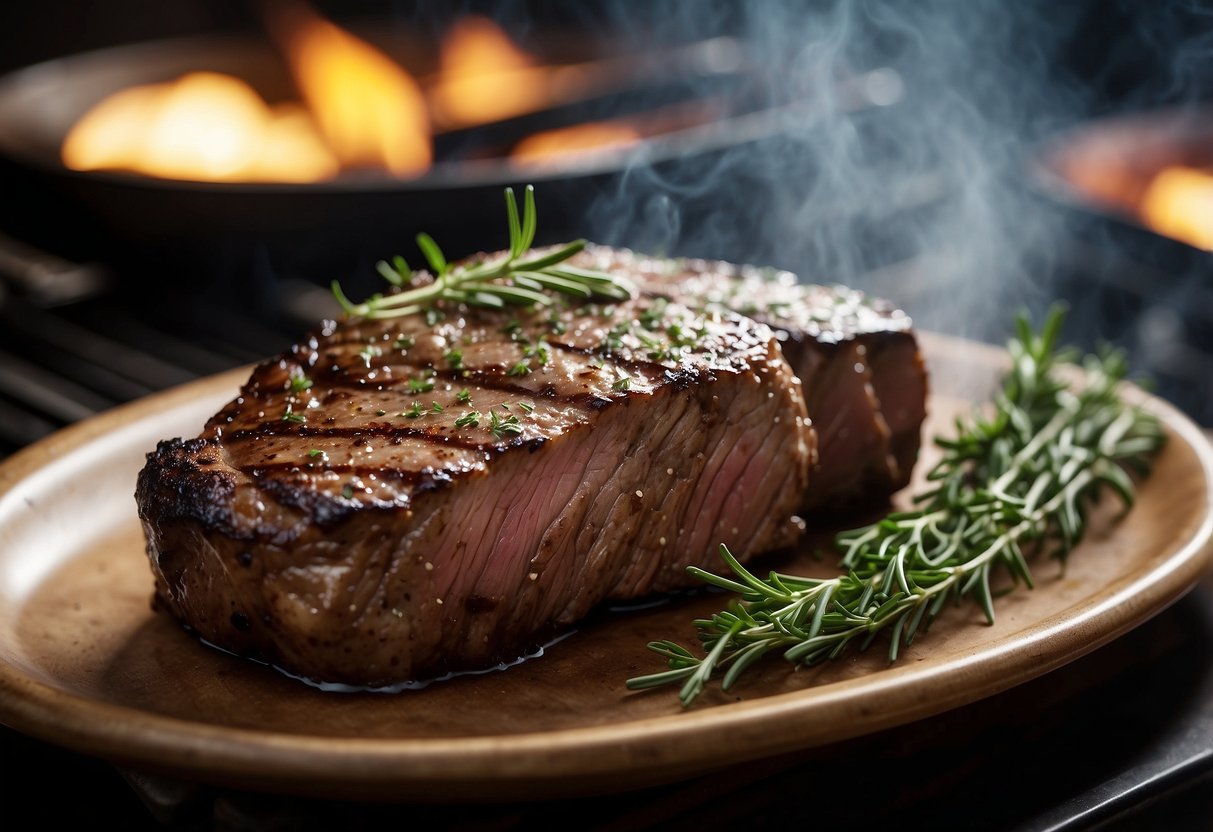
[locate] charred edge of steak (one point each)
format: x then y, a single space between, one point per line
407 576
479 627
366 398
720 446
184 479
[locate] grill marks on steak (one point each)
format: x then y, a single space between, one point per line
864 380
364 531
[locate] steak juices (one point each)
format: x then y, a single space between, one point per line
392 500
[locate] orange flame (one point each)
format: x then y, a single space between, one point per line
365 111
204 126
370 110
362 111
556 146
484 77
1179 204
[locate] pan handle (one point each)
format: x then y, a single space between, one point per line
47 279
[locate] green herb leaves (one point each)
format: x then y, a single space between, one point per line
1006 487
502 426
514 279
298 382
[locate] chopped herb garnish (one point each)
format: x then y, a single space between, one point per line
653 316
502 425
522 368
436 408
539 350
368 352
315 452
454 358
655 350
471 418
404 342
614 338
347 491
414 411
464 396
418 386
527 407
299 382
622 383
680 337
292 416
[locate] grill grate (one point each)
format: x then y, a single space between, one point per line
65 363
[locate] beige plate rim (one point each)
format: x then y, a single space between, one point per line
648 748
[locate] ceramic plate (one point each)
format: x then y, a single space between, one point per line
86 663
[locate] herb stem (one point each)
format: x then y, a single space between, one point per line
513 279
1004 488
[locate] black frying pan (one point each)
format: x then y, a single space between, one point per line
335 228
328 225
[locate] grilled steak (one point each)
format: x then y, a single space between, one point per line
392 500
865 385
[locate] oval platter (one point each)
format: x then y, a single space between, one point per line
86 663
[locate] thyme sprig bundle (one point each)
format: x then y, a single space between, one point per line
1006 487
520 277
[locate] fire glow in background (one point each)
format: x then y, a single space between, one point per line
359 110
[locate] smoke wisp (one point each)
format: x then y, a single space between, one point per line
911 186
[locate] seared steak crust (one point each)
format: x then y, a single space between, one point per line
864 381
392 500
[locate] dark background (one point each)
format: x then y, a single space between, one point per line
1124 53
1089 736
1013 75
1023 73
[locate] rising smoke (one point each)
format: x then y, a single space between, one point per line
919 194
926 196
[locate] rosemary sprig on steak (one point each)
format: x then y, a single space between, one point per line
1006 487
521 277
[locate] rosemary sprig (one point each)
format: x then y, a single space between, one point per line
1006 487
520 277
